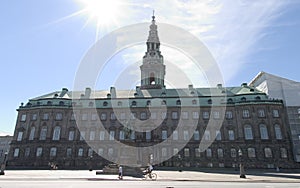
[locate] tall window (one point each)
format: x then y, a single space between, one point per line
275 113
69 152
80 152
122 135
233 153
278 133
268 153
174 115
164 134
196 135
71 135
261 113
195 115
207 135
39 151
148 135
175 135
58 116
53 152
43 133
220 153
56 133
251 153
23 117
185 115
32 132
208 152
185 135
246 113
205 115
186 152
90 152
197 152
92 135
228 114
101 135
16 152
34 117
111 135
248 132
27 152
230 134
283 153
263 132
218 135
20 136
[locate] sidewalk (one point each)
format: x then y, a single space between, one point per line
219 176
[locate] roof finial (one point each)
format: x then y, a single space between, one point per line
153 17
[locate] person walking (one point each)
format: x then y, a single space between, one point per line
120 173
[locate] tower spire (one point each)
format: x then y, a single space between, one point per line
153 17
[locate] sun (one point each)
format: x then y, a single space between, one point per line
103 13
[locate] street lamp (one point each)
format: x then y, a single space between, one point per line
242 170
3 164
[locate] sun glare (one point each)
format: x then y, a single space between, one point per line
104 13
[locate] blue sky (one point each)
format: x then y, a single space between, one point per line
43 42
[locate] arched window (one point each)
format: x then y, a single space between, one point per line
105 103
61 103
194 101
263 132
148 103
278 133
56 133
133 103
152 79
248 132
257 98
119 103
32 132
178 102
49 103
209 101
243 99
43 133
229 100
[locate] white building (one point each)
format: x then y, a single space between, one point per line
289 91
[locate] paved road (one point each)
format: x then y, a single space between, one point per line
138 184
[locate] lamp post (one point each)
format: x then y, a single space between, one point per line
242 170
3 164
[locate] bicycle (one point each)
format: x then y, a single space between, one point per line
150 175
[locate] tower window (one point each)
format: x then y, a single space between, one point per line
152 79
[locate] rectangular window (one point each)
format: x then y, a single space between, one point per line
132 135
233 153
197 152
45 116
122 135
58 116
208 152
43 134
53 152
228 114
185 115
69 152
185 135
92 135
103 116
164 135
220 153
186 152
195 115
218 135
16 152
163 152
82 135
283 153
39 151
32 133
80 152
112 116
34 117
111 135
261 113
84 117
27 152
71 135
196 135
216 114
90 152
94 116
143 115
20 136
268 153
246 113
251 153
175 135
207 135
231 135
23 117
148 135
275 113
174 115
205 115
102 134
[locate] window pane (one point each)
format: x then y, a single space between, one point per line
20 136
39 152
43 133
208 152
251 153
174 115
263 132
278 133
164 134
220 153
111 135
196 135
186 152
52 152
268 153
56 133
195 115
32 132
16 152
248 132
218 135
231 134
71 135
185 135
207 135
228 114
233 152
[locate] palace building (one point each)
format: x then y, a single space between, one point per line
214 127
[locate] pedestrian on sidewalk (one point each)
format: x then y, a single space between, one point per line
120 173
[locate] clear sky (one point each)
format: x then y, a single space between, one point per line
43 42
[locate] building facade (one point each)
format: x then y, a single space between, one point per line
194 127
